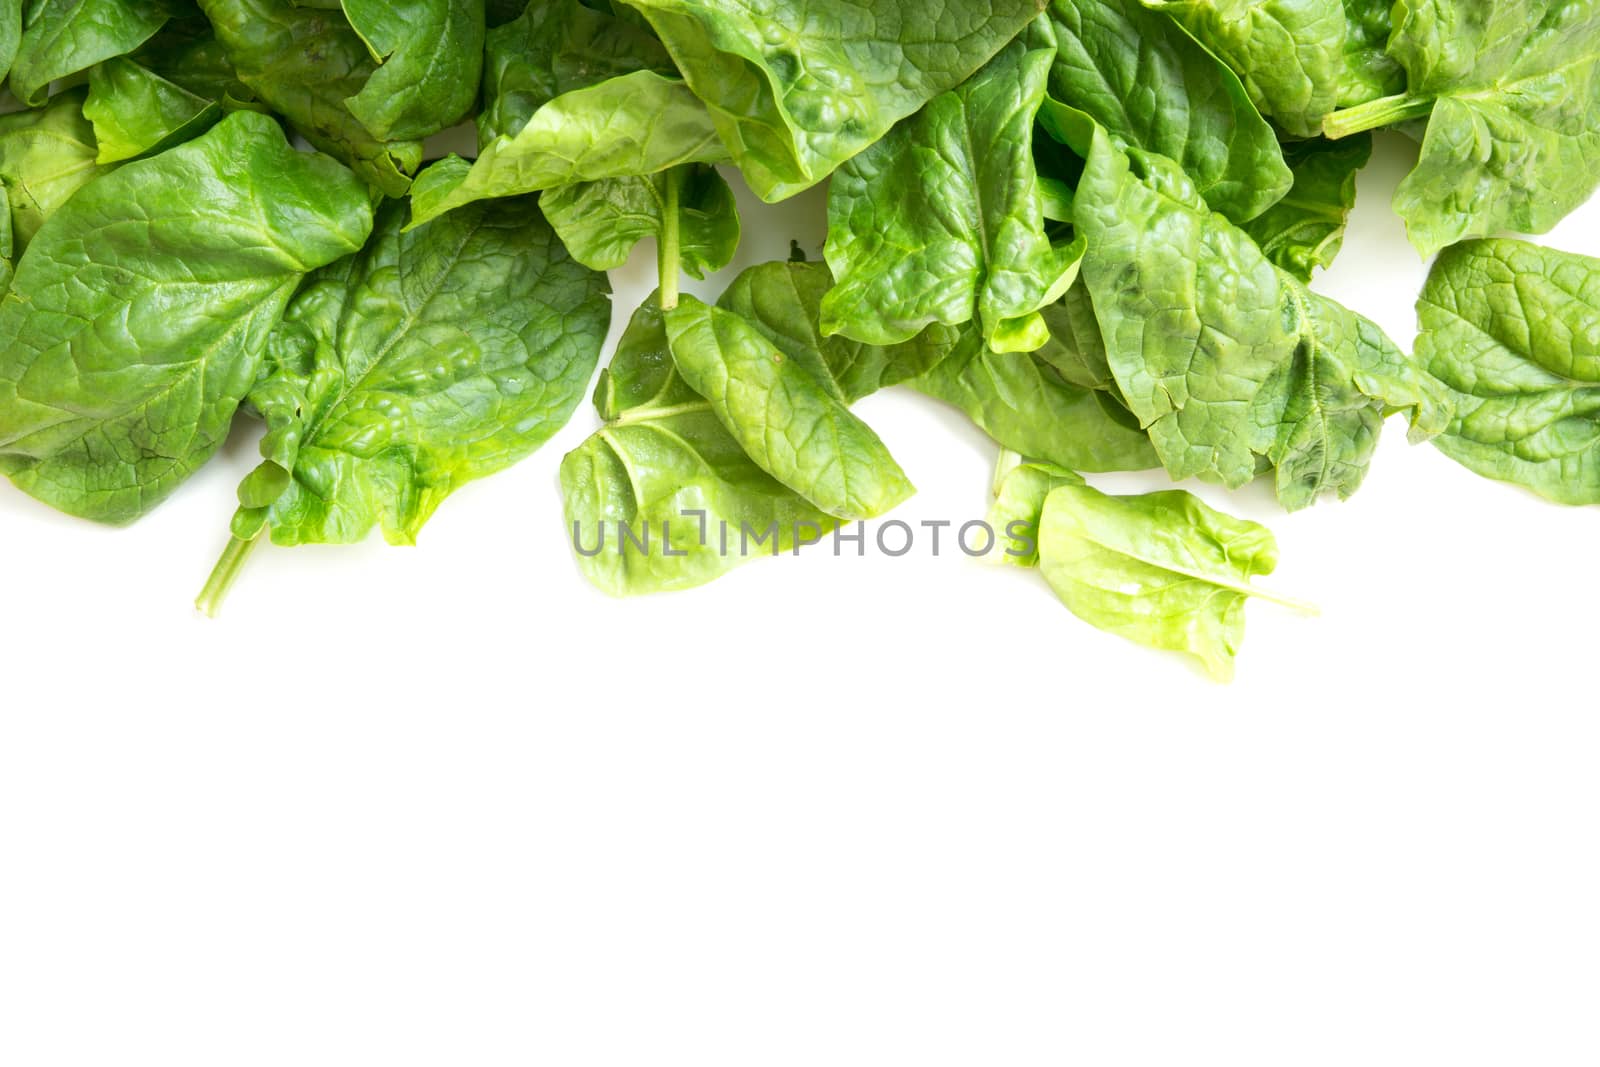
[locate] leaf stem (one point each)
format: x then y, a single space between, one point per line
223 574
667 248
1304 607
1375 113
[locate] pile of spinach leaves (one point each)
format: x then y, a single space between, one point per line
1088 224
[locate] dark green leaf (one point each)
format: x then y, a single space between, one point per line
431 56
1370 72
436 356
122 360
797 90
306 63
943 221
1305 229
1154 87
63 37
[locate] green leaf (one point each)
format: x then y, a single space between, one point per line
797 89
306 63
666 470
431 56
136 111
1022 402
942 221
787 420
1076 351
63 37
1370 72
1154 87
1288 53
783 302
1162 569
438 355
10 33
1224 357
638 124
600 222
1018 504
554 47
123 359
187 53
46 156
1305 229
1514 331
1513 98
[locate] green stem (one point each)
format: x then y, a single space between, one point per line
223 574
668 248
1375 113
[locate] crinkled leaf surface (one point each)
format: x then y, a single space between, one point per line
553 47
638 124
1154 87
1305 229
1223 356
942 221
135 111
1162 569
1024 404
1370 72
306 63
46 156
10 33
601 222
431 57
783 302
1288 53
1513 141
436 356
797 88
139 314
782 414
63 37
665 468
1514 330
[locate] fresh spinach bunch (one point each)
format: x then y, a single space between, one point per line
1089 225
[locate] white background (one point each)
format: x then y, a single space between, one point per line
448 805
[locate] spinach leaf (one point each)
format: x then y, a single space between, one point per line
1022 402
436 356
554 47
186 53
638 124
665 470
600 222
10 33
430 55
1512 94
919 236
783 415
1514 330
46 156
1224 357
795 89
1152 86
63 37
1305 229
783 302
1162 569
307 63
138 316
1019 496
1288 53
1370 72
1076 351
136 111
